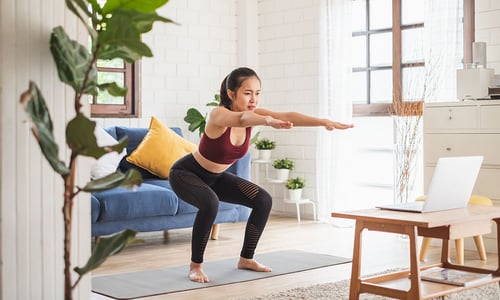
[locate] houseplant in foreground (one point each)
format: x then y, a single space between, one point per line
283 167
115 32
295 186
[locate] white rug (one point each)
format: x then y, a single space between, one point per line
340 290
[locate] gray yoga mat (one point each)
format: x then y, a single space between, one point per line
169 280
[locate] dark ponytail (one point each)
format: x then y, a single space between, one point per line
233 82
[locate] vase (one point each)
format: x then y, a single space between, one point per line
282 174
265 154
294 195
405 158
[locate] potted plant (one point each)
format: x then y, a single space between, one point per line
265 147
283 167
198 121
295 186
115 29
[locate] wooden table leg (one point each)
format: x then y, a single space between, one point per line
356 262
414 292
445 253
497 272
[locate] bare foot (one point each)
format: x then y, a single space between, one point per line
196 273
252 264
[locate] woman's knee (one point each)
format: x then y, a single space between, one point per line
208 204
264 200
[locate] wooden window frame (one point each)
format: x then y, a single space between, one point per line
386 109
131 106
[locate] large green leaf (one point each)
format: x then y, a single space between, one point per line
36 108
81 138
139 5
144 22
122 35
73 61
113 89
107 247
193 115
129 180
195 120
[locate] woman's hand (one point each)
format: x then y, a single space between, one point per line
279 124
331 125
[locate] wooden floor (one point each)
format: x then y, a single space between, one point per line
380 252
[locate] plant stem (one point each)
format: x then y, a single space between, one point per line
79 94
69 184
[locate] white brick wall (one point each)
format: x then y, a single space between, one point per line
289 70
190 60
488 30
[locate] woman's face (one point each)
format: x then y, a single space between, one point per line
247 96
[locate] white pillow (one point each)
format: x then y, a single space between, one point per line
108 163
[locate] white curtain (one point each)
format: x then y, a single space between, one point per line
443 48
332 147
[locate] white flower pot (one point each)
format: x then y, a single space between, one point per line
282 174
265 154
294 195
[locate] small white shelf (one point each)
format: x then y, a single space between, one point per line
261 161
274 180
266 164
297 205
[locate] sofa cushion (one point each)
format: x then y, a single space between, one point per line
160 149
147 201
135 136
108 163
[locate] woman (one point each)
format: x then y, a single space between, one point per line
200 178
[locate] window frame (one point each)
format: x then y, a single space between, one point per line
131 106
386 109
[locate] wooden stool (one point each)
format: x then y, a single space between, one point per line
459 243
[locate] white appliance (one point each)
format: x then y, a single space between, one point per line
473 83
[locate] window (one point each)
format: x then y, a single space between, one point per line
125 75
388 58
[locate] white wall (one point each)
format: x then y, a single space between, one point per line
31 228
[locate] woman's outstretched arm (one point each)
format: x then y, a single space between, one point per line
299 119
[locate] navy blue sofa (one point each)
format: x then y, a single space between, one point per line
153 206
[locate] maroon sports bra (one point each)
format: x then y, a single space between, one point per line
220 150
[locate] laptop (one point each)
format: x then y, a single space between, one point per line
450 187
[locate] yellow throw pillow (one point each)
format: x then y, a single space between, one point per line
160 149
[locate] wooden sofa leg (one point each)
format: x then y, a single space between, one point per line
97 239
215 232
165 234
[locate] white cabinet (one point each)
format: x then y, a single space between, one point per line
466 128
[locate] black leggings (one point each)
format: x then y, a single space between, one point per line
204 189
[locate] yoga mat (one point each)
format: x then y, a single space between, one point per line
169 280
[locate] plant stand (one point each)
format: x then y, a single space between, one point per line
266 163
302 201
